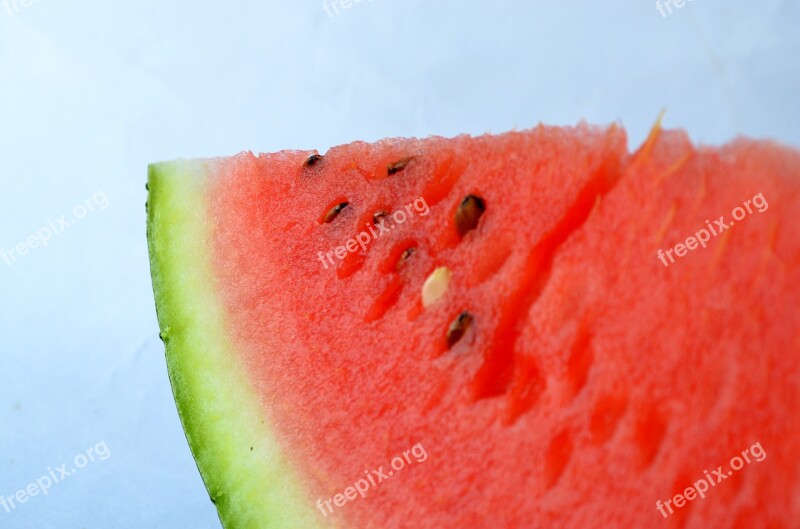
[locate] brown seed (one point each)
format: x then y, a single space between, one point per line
376 218
334 212
458 328
469 213
399 165
405 256
313 160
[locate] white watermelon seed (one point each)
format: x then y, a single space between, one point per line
435 287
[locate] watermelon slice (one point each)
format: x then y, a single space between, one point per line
536 329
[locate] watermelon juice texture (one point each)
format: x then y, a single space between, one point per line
700 487
373 478
704 235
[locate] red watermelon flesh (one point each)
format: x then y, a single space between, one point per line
568 375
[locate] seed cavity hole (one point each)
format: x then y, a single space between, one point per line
399 165
313 160
332 213
458 328
376 218
469 213
405 256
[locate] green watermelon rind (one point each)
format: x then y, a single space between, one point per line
245 472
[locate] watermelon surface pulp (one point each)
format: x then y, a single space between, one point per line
524 345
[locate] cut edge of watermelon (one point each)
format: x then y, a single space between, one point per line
233 447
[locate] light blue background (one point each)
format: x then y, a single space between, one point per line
92 91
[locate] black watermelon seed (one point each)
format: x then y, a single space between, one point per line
313 160
469 213
334 212
399 165
458 328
